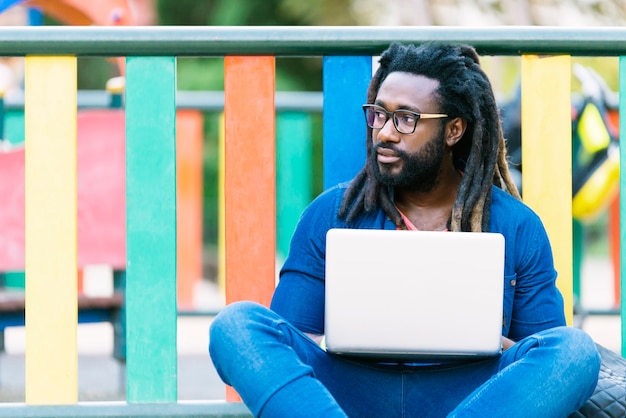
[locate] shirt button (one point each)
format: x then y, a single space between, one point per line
513 282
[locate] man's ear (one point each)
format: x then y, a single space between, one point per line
455 129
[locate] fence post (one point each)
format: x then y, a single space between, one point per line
294 186
345 82
547 150
51 231
151 229
249 180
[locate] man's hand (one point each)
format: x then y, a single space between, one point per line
506 343
315 337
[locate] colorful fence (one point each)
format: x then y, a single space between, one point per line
249 176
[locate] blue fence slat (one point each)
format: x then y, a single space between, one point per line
345 82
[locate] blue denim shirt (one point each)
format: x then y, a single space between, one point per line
531 300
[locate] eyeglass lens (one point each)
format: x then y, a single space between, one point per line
403 120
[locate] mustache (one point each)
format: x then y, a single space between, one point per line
400 153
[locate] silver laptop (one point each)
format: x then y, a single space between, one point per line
414 295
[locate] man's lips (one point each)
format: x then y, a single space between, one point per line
387 156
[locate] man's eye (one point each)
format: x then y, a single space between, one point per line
406 118
380 115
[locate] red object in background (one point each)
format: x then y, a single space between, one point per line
12 210
101 194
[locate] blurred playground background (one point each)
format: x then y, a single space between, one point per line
100 82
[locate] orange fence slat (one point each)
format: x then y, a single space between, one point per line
249 178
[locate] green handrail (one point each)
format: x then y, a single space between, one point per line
302 41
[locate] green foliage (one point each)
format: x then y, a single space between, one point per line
210 167
183 12
320 12
93 73
606 67
223 13
200 73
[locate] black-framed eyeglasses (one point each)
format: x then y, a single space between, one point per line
405 121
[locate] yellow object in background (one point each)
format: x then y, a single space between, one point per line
598 160
592 130
599 190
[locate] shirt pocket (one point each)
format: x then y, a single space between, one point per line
510 282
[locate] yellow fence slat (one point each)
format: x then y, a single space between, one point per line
51 230
547 156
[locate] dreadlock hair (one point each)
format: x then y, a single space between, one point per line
464 91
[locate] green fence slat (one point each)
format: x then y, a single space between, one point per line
294 185
578 249
345 82
151 229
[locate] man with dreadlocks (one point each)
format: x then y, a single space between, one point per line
436 161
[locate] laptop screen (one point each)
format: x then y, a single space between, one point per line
414 294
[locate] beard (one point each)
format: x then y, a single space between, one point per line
419 171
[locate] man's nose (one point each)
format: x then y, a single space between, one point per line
388 132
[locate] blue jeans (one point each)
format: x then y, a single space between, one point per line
280 372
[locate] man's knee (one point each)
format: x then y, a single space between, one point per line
577 346
231 324
575 340
231 333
